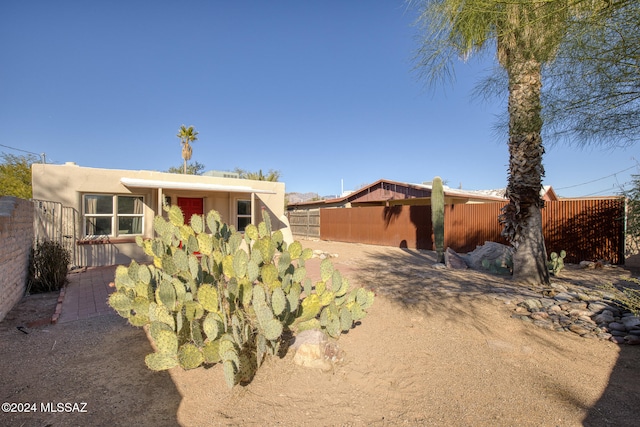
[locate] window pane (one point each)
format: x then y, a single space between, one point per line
97 226
97 204
129 205
243 222
244 207
129 225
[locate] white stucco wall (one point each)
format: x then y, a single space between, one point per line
69 182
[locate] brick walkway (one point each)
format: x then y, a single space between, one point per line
85 295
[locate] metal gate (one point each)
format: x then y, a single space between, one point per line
54 222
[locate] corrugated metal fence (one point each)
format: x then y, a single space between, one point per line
401 226
586 229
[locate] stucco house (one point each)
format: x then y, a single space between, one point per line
111 207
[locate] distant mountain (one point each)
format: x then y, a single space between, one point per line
301 197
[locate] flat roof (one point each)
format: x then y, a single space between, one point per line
175 185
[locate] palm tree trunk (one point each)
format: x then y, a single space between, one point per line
521 218
186 154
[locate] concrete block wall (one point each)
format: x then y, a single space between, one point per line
16 240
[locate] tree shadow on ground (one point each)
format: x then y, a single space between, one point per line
408 278
618 405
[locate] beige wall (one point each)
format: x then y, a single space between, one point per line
68 183
16 235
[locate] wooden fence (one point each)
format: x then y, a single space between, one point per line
305 223
585 229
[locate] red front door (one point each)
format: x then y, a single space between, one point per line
190 206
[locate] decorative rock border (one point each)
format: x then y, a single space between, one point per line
590 315
317 253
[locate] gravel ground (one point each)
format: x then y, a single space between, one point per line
437 348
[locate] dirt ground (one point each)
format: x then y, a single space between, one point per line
436 349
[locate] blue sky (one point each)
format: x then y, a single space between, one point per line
322 91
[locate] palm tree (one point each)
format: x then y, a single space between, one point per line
187 135
272 176
526 35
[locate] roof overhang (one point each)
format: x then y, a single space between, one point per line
176 185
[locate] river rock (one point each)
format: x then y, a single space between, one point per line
597 307
616 326
632 339
532 304
604 318
630 321
577 329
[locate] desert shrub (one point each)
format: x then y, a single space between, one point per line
213 295
48 267
633 217
627 297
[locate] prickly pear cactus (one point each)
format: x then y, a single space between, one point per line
498 266
212 295
332 306
556 264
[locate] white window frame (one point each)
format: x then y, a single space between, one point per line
114 215
238 215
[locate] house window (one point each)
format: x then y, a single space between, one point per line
112 215
244 214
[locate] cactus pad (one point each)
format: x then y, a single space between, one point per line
229 373
269 274
211 352
212 325
278 301
166 341
227 266
120 302
160 362
272 329
208 297
190 356
326 269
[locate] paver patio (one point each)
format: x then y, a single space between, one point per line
86 294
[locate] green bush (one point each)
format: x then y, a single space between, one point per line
213 295
48 267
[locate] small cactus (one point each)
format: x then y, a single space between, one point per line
556 264
437 217
498 266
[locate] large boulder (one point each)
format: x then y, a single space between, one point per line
492 256
454 260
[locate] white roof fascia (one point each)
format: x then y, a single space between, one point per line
174 185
